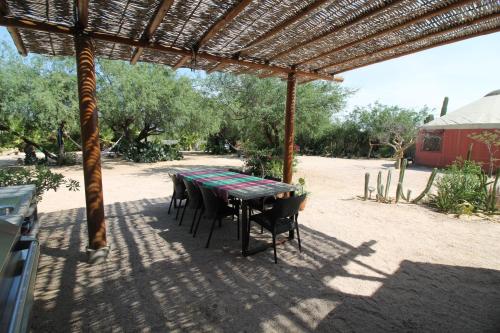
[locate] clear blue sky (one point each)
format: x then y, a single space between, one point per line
463 71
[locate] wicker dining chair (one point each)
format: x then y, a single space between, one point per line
283 217
263 204
179 194
194 201
215 208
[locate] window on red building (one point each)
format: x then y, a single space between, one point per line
432 141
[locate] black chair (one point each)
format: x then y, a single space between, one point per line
263 204
179 194
216 209
283 217
194 201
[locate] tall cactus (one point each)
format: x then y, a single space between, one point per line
367 183
379 186
399 189
388 184
444 107
492 195
427 187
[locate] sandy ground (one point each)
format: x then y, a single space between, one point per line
364 266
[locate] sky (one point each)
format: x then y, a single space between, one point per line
464 71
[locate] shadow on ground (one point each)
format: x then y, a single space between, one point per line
159 278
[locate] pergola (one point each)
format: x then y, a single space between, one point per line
296 40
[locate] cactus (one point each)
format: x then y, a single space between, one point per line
379 185
427 187
469 151
387 184
399 190
367 183
444 107
492 195
408 195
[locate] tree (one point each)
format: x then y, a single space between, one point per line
392 126
492 141
36 94
145 99
253 109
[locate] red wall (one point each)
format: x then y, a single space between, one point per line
455 143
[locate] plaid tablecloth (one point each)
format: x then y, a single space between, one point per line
227 183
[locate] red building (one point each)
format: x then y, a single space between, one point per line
442 141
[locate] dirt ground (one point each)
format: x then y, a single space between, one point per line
364 266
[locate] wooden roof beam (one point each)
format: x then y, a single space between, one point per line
306 81
429 15
446 42
280 27
217 67
155 22
62 29
368 15
222 23
182 61
83 13
416 40
267 75
14 33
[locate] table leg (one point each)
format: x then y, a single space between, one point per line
291 233
244 228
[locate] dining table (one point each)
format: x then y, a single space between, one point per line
228 184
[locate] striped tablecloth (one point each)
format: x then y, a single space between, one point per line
227 183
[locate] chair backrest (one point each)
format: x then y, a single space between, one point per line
287 207
179 186
211 202
234 170
194 194
276 179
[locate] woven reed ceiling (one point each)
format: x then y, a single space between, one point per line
314 36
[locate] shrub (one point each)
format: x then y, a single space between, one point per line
150 152
461 189
40 176
217 145
264 162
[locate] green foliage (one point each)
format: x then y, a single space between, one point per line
460 190
35 95
263 162
252 109
392 126
150 152
341 139
146 99
491 139
41 176
217 145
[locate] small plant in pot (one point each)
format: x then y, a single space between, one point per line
301 190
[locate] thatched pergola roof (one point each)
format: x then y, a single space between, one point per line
321 37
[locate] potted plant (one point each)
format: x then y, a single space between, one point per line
301 190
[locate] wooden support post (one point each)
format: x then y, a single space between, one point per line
289 133
84 46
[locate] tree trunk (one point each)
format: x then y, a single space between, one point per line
145 132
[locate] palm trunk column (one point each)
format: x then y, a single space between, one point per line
289 130
97 248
